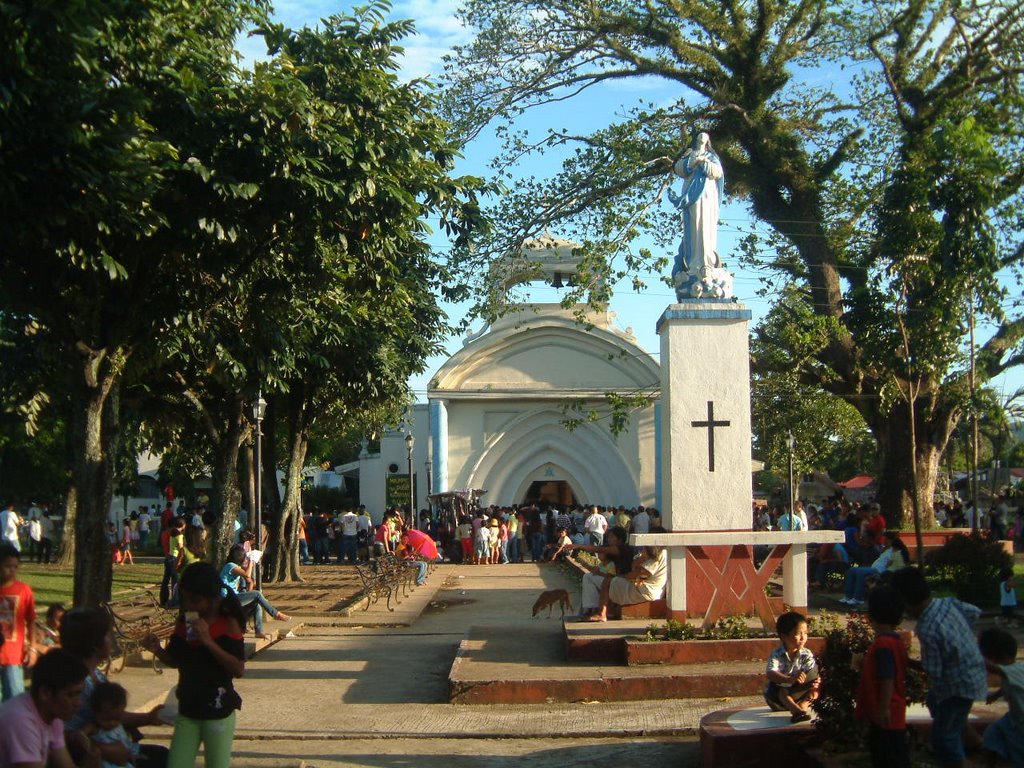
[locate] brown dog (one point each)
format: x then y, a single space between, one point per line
549 598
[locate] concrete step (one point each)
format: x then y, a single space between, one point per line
601 641
495 665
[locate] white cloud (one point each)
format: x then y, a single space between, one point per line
437 29
437 32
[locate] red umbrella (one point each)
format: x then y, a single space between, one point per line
423 544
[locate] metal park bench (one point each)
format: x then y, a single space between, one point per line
134 617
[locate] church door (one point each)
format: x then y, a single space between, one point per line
551 491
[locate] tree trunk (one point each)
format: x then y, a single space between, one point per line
94 428
896 482
249 480
66 551
286 559
227 493
271 490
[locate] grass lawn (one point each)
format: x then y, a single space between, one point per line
54 585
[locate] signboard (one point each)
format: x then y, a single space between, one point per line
397 491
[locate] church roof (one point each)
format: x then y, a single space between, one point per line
541 350
542 258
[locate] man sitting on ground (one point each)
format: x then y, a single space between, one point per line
32 723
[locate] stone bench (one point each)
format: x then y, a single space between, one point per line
653 609
742 736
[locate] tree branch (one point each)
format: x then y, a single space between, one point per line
204 415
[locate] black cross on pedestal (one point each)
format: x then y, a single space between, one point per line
710 424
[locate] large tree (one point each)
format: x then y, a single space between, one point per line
829 434
102 206
879 146
166 214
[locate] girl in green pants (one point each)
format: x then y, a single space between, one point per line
208 650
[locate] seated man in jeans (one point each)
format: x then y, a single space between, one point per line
418 549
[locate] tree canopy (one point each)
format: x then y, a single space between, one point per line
879 146
179 227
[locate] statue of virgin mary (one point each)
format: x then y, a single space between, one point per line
700 203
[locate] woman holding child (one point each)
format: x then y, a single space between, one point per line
87 633
616 557
643 583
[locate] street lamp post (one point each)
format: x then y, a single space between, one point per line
259 410
409 442
790 442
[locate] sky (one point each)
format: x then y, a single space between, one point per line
437 31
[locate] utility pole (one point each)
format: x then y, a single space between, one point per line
973 485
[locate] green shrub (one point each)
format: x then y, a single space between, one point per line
839 682
671 630
823 623
969 566
729 628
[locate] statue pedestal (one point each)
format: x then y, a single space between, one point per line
705 433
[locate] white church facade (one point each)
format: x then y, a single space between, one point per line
496 411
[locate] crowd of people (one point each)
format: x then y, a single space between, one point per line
77 717
498 535
486 536
34 531
1003 518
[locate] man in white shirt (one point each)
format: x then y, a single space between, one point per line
10 522
35 538
144 521
46 540
802 515
349 524
595 526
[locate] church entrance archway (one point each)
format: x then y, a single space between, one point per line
550 491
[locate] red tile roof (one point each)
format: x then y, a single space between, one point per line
855 483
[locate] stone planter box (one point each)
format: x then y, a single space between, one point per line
934 539
639 652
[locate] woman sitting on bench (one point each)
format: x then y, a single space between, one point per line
237 576
643 584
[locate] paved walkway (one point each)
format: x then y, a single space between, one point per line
371 688
348 687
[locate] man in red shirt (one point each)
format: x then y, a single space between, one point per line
871 530
166 516
17 618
